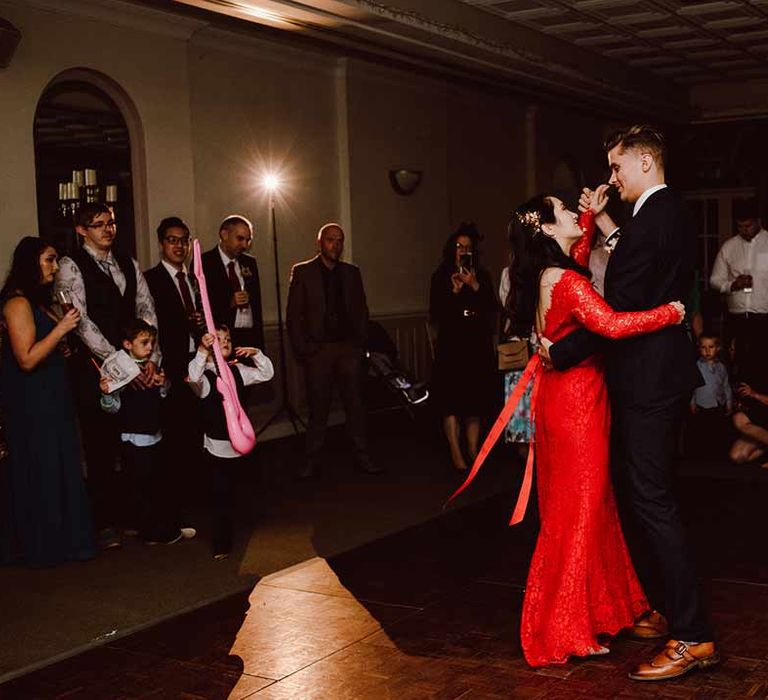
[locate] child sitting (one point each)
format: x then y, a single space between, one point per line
712 402
140 434
221 455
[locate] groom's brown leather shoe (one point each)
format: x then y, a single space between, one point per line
675 659
652 625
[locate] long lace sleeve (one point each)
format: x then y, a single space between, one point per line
581 250
591 310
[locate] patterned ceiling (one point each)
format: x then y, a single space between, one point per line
687 42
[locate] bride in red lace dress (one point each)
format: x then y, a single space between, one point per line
581 582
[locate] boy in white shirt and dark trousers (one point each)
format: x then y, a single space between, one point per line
710 403
220 454
138 413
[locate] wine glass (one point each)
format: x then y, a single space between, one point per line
64 300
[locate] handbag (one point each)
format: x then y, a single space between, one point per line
513 355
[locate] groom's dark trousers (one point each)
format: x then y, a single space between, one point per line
650 378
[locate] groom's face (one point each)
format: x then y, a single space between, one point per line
627 173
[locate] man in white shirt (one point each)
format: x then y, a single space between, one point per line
174 289
232 278
110 292
741 273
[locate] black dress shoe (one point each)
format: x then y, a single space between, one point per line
367 465
308 469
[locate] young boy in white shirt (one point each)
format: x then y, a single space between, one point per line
221 456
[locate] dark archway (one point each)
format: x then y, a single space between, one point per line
78 127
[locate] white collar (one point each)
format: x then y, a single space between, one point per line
172 270
760 234
97 256
225 259
644 196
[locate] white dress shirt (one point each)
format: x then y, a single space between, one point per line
644 197
172 271
244 316
739 257
70 278
198 382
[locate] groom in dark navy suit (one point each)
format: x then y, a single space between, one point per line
650 378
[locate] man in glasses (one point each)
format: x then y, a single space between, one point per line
174 288
110 292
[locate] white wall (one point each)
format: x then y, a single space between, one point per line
257 107
217 108
151 67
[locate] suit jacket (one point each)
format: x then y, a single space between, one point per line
653 263
173 326
305 315
220 292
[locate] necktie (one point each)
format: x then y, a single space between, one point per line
186 297
234 282
107 267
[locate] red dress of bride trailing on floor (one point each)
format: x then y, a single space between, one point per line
581 582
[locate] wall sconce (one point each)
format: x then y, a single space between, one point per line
404 181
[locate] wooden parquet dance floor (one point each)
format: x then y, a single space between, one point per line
432 612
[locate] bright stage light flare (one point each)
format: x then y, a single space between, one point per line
271 182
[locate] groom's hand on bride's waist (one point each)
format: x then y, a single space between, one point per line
544 346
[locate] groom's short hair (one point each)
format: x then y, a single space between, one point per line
640 136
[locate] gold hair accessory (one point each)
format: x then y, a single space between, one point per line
532 219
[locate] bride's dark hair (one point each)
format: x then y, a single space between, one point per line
534 251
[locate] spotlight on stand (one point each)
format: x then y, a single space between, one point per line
271 184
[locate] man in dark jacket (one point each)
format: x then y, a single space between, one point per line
327 320
174 289
650 379
232 278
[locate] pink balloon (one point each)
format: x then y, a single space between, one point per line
239 426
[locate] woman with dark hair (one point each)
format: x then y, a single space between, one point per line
45 518
581 583
461 306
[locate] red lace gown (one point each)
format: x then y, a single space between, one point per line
581 582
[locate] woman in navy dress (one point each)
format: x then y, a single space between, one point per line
44 513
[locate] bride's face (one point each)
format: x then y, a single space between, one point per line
566 227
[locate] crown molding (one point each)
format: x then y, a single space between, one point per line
119 13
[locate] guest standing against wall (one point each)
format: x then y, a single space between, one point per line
232 277
109 291
462 305
327 320
44 517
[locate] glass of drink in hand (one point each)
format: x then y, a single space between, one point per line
748 288
64 299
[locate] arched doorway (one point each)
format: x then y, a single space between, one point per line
84 152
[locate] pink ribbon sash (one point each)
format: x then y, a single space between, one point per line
501 422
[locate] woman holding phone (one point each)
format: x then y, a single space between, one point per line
462 308
44 516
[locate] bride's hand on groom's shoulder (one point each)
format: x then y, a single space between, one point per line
680 308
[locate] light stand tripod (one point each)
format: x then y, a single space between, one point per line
285 402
